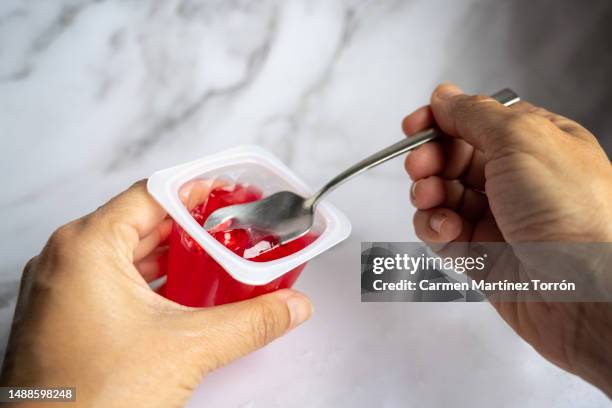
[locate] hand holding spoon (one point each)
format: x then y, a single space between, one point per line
288 215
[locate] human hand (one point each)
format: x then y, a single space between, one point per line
519 174
86 317
546 178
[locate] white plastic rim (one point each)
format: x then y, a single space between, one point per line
164 186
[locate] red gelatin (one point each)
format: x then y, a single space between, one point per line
195 279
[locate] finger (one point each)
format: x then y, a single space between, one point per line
418 120
154 265
567 125
196 192
152 241
449 158
134 214
435 192
129 216
439 225
473 174
429 192
427 160
479 120
237 329
458 154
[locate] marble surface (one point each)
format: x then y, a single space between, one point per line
96 94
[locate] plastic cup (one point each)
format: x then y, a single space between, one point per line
206 270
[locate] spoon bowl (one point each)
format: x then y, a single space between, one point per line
284 215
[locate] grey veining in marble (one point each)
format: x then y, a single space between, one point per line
96 94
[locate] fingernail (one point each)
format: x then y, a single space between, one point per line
413 191
436 221
447 90
300 310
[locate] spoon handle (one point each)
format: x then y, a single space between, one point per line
506 97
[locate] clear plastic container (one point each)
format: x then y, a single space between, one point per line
202 271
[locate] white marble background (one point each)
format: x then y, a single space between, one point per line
96 94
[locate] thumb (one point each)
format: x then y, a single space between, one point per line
234 330
479 120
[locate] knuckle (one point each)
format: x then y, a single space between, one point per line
63 241
524 122
29 266
515 125
142 183
536 110
103 221
62 236
29 269
265 323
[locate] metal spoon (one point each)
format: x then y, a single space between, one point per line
288 215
